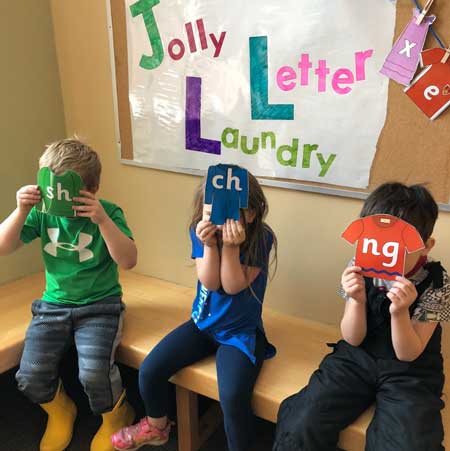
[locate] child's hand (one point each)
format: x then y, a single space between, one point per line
353 283
233 234
402 294
206 233
92 209
27 197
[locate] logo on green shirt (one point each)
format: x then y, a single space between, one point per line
84 239
79 267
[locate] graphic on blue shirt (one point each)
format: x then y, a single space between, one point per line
227 191
234 319
203 294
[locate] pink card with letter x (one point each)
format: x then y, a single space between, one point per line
401 63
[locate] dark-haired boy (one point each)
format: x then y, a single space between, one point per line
391 351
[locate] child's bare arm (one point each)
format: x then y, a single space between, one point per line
208 267
410 337
234 276
122 248
10 228
354 321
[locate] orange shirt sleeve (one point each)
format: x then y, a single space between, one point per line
412 239
431 56
353 231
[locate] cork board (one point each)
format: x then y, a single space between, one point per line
410 149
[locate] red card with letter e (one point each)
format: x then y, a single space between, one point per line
430 91
383 241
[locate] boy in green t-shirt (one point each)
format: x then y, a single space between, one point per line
82 299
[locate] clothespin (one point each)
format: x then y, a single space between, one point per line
424 12
446 56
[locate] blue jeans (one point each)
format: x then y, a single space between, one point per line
96 331
236 376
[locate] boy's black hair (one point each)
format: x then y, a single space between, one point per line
413 204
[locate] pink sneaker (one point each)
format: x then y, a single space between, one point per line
140 434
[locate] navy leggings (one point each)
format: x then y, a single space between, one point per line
236 376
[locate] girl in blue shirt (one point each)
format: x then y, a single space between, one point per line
232 264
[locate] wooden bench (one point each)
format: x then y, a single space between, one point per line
15 302
155 307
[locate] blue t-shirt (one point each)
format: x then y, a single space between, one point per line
234 319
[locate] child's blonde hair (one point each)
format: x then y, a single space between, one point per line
73 154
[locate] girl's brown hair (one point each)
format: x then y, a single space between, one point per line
257 233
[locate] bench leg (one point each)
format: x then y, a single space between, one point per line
187 415
209 422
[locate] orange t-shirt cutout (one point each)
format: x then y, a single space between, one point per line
383 241
431 88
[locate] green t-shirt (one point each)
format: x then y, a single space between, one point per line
78 266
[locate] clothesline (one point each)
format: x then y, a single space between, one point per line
436 36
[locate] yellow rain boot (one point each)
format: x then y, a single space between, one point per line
122 415
61 413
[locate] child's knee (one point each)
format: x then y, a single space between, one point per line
296 424
151 375
234 401
36 387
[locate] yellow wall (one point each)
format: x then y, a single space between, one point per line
156 203
31 110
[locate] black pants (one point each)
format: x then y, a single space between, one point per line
236 376
349 380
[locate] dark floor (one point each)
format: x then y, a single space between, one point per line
22 423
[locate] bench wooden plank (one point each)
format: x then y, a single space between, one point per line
301 347
155 307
